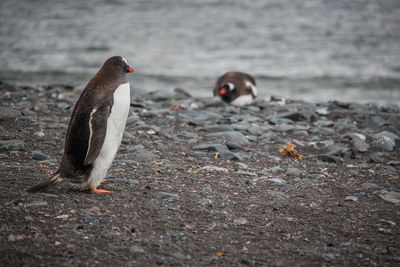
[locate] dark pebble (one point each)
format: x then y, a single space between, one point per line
329 158
37 155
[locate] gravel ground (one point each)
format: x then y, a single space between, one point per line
197 182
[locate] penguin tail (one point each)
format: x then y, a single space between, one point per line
46 184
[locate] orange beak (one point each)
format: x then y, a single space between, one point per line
130 70
222 92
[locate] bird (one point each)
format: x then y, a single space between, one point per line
96 128
236 88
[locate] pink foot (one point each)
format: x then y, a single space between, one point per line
99 191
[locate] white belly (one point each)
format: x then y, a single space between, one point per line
243 100
115 130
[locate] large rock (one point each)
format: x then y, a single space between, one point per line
385 140
232 136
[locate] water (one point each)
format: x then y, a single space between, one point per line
315 50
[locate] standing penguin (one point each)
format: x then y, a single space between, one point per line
96 128
236 88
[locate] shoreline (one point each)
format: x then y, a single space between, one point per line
199 182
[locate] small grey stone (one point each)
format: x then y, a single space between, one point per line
244 173
232 145
293 172
323 123
28 218
143 155
12 145
164 195
227 120
180 256
323 131
272 170
241 165
301 133
188 134
345 126
132 119
36 204
9 113
390 196
212 147
90 219
240 221
234 136
212 169
256 130
323 143
230 155
394 162
136 249
207 189
350 198
377 158
386 222
205 202
274 193
279 181
353 136
360 145
314 176
354 172
366 186
322 111
303 115
177 236
122 180
288 187
37 155
275 120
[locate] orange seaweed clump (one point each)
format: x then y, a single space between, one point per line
290 151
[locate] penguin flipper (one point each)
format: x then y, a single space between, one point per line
46 184
98 130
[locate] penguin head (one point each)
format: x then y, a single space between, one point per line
227 91
119 63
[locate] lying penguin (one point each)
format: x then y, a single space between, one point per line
96 128
236 88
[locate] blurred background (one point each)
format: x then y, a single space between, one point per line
316 50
